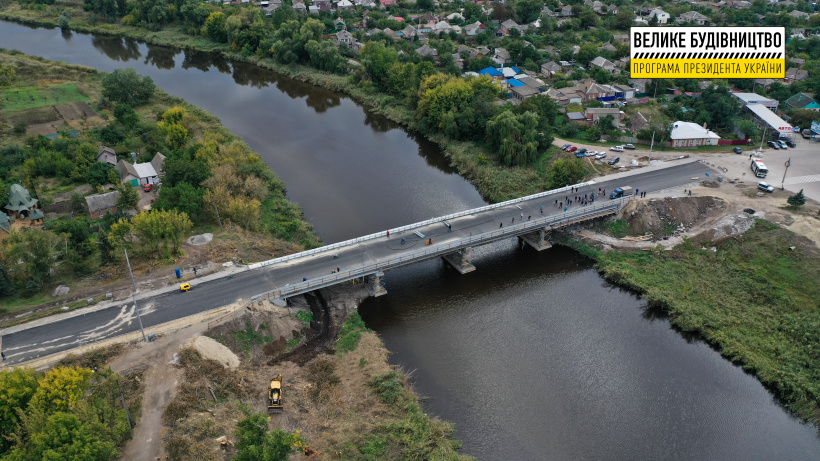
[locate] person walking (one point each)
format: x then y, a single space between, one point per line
500 225
542 208
690 192
388 234
529 217
566 208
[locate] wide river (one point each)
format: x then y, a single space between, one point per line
533 356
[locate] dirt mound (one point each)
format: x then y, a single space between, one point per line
664 216
201 239
210 349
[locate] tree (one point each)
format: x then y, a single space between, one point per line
110 9
39 253
624 19
804 117
7 76
425 5
126 86
515 137
78 234
63 21
797 200
6 290
61 389
156 229
194 13
528 10
257 444
125 116
587 53
129 198
377 59
566 172
748 128
214 27
182 197
99 173
17 386
588 18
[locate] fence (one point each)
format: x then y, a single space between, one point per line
560 219
733 142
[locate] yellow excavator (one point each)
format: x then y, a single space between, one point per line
275 394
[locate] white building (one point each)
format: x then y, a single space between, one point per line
687 134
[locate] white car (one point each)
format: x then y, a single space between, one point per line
617 148
600 155
765 187
590 153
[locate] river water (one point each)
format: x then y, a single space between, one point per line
533 356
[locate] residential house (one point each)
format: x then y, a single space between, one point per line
22 206
802 101
596 113
608 46
566 12
141 174
101 204
799 15
577 117
592 91
299 6
455 17
637 123
639 84
409 32
565 96
5 225
346 39
107 155
692 17
799 62
344 5
509 24
660 15
492 72
313 9
531 82
765 82
687 134
387 3
623 91
339 24
474 29
551 68
427 50
458 61
325 6
502 56
794 74
272 6
523 92
605 64
509 72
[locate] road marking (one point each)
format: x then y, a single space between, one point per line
803 179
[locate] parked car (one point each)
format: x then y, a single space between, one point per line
600 155
572 149
783 144
148 187
790 143
564 147
617 148
629 146
738 150
579 154
765 187
590 153
614 160
581 151
773 145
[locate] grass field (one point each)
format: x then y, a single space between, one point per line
30 96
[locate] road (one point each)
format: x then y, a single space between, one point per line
51 336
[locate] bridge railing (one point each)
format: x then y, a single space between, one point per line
443 248
414 226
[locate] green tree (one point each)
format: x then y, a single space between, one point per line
804 117
182 197
566 172
63 20
17 387
325 56
587 53
748 128
377 59
99 173
79 235
7 76
588 18
125 116
214 27
39 252
156 229
6 290
797 200
110 9
256 443
515 137
129 197
125 86
194 13
528 10
625 19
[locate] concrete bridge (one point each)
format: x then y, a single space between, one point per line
453 237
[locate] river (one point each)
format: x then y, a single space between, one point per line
533 356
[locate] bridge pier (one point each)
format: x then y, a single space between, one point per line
540 239
462 260
375 284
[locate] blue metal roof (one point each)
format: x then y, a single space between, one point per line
491 71
515 83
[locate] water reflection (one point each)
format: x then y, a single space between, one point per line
249 75
377 122
160 56
118 49
66 33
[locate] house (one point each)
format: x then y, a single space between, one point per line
22 206
799 15
531 82
502 56
591 91
687 134
660 15
637 123
509 24
272 6
794 74
440 27
5 225
596 113
623 91
101 204
344 4
386 3
339 24
577 117
409 32
802 101
509 72
346 39
455 17
107 155
474 29
692 16
299 6
639 84
523 92
492 72
551 68
313 9
426 50
608 46
565 96
141 174
605 64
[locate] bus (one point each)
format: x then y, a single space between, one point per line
759 169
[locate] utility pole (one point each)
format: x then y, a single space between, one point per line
134 296
651 143
761 140
217 217
783 181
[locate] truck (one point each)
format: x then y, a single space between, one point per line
275 394
624 191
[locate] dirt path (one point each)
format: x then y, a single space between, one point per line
160 387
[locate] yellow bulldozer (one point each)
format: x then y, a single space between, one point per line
275 394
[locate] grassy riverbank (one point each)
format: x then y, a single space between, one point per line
753 299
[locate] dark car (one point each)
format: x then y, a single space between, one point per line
773 145
614 160
581 151
564 147
738 150
791 143
629 146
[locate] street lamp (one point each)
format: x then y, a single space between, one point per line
783 181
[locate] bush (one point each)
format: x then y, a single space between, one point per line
127 87
351 333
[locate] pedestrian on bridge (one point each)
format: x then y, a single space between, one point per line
500 225
529 217
513 220
388 234
566 208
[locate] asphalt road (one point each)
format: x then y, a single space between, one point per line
64 334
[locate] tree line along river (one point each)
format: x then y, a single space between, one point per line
533 356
